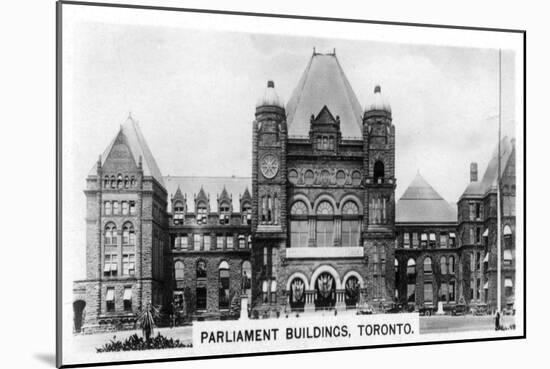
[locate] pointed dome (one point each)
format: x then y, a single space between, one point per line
422 204
377 101
324 83
270 97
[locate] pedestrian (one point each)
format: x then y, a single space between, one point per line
497 321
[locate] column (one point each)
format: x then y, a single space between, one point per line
310 301
340 300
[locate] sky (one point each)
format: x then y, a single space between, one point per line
194 92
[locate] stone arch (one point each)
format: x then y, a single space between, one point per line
326 197
353 273
304 199
353 198
329 269
294 276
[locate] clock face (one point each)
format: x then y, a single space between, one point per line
269 166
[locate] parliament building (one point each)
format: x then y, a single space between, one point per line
316 227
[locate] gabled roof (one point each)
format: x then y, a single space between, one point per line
422 204
489 180
138 147
324 83
212 186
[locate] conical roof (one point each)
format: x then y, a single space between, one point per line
422 204
324 83
138 147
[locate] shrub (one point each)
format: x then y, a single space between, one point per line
135 343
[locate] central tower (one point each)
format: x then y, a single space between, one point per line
323 188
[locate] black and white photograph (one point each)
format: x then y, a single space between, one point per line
237 184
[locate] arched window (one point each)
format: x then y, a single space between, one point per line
299 229
201 269
340 178
119 182
223 271
507 231
378 172
325 224
113 182
443 265
126 182
356 178
309 177
128 234
451 265
351 226
178 270
411 267
428 265
133 182
293 176
106 182
273 291
110 234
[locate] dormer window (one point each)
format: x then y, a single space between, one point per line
178 212
325 143
202 213
246 213
225 213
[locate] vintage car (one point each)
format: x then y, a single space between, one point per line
364 309
479 309
394 308
460 309
427 310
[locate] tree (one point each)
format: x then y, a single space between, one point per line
146 320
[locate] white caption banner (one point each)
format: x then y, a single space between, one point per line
304 332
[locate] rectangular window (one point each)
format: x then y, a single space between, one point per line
472 235
197 241
107 207
299 233
219 242
128 264
472 211
110 268
110 299
207 239
124 207
325 233
230 241
115 208
478 235
478 289
350 233
432 240
443 291
415 240
452 240
452 291
201 298
443 240
266 250
508 287
183 241
132 208
478 211
274 254
423 239
428 293
406 240
411 289
242 242
127 298
478 260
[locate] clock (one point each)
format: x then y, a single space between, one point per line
269 165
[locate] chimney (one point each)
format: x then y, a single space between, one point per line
473 172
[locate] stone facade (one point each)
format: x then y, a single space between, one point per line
319 228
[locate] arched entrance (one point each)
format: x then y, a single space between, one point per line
352 292
78 309
297 294
325 291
